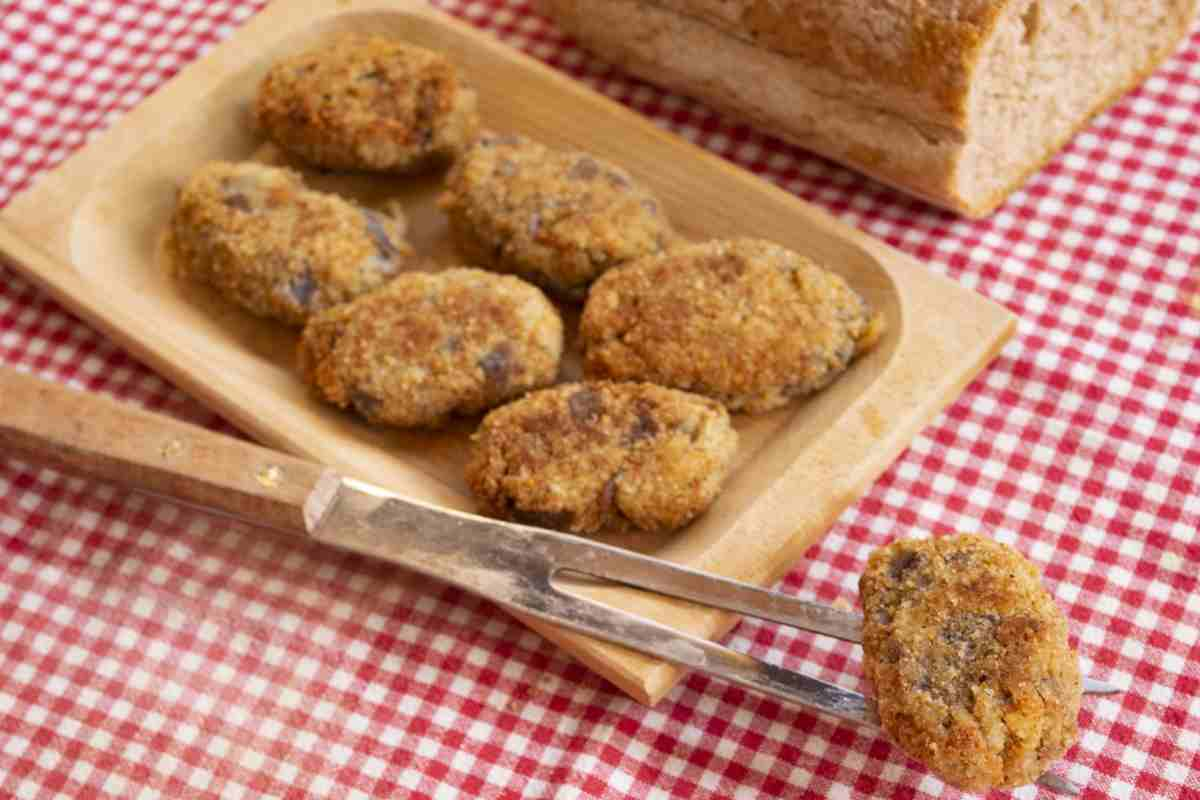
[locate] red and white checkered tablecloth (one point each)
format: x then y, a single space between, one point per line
150 651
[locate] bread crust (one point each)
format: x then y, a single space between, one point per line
907 55
897 93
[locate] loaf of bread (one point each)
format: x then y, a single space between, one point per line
956 101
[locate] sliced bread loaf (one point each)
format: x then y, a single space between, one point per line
956 101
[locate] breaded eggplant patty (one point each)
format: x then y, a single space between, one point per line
744 321
276 248
558 219
368 103
969 659
429 346
602 457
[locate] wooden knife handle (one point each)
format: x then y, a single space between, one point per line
101 438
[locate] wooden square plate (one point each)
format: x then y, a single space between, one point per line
89 233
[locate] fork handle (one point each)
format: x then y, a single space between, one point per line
91 435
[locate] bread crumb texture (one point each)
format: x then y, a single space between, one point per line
969 659
556 218
745 321
368 103
955 101
916 44
267 243
602 457
430 346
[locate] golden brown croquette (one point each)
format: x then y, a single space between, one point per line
429 346
364 102
276 248
744 321
556 218
602 457
969 659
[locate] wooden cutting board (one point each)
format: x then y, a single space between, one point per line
89 234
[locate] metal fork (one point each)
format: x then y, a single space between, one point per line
524 569
521 568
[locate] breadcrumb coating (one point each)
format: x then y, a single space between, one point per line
264 241
370 103
744 321
592 458
430 346
556 218
969 658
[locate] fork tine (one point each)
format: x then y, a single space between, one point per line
1093 686
621 627
1058 784
643 572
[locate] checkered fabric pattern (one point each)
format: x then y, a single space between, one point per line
147 650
